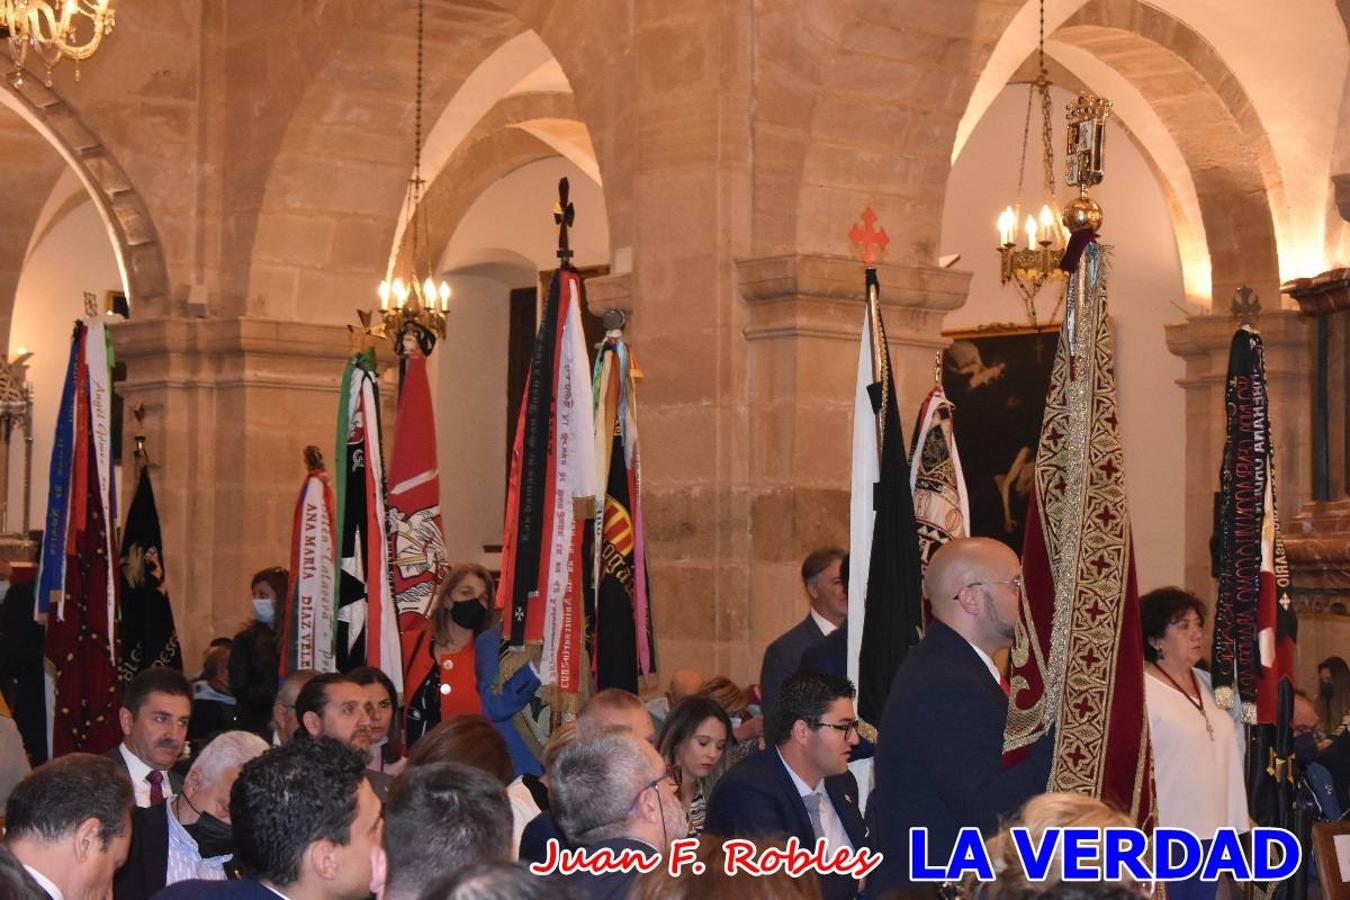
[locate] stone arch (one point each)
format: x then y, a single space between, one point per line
123 210
1237 182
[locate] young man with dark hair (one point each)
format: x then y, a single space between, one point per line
824 585
799 785
334 706
69 824
156 710
306 825
439 818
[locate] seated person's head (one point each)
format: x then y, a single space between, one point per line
213 773
715 884
497 881
695 736
439 818
616 786
813 724
284 720
469 740
216 667
684 683
70 819
305 819
616 708
156 708
334 706
727 694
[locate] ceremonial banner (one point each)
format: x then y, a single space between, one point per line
81 636
367 629
622 648
1255 626
145 628
1077 663
885 588
309 641
551 493
941 507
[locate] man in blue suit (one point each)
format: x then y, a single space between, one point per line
939 760
826 589
800 785
306 824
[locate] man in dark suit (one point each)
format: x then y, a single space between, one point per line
615 792
68 824
828 594
306 824
939 761
189 835
799 785
156 710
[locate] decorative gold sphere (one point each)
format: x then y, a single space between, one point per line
1083 214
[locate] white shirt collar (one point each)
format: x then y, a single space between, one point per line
824 624
802 787
45 883
989 664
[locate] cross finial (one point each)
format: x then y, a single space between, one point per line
868 239
563 215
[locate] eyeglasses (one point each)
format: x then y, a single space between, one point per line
845 728
673 773
1015 581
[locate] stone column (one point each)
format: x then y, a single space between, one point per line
801 340
1203 342
229 406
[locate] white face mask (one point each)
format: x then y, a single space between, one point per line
265 610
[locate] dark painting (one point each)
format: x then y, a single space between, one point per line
997 379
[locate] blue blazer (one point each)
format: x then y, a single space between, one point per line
500 704
757 798
243 889
939 761
782 657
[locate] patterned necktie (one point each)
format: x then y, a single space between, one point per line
156 779
812 802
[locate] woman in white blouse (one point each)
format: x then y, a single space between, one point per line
1197 755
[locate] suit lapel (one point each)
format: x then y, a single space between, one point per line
844 797
805 833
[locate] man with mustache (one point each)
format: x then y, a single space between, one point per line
334 706
156 709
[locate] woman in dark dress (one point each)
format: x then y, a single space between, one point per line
254 654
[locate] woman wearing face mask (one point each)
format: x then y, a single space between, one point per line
386 737
1333 695
254 654
694 737
453 666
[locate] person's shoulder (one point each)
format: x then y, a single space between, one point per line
756 769
1205 679
244 889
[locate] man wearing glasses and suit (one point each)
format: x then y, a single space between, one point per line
939 761
800 784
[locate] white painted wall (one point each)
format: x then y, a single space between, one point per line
75 255
1144 283
505 239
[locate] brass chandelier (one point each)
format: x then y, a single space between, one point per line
417 300
56 33
1030 250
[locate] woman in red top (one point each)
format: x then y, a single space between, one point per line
453 667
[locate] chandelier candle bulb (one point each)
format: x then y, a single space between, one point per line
1031 233
445 298
1047 226
384 295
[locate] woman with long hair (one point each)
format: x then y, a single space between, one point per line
695 737
255 653
386 736
454 665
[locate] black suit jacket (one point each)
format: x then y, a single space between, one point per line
242 889
757 798
142 875
610 885
829 655
538 832
782 657
175 777
939 761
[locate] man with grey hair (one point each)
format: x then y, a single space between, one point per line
615 792
439 818
188 837
284 720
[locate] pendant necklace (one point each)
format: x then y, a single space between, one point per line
1198 702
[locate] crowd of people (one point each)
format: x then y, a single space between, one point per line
242 784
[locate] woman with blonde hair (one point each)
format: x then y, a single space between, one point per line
454 665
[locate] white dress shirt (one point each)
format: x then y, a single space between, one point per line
138 769
831 826
824 624
45 883
989 664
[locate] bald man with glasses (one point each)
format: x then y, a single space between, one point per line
939 760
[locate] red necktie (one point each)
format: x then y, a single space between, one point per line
156 779
1003 683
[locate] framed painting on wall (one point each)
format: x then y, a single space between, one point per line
997 377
